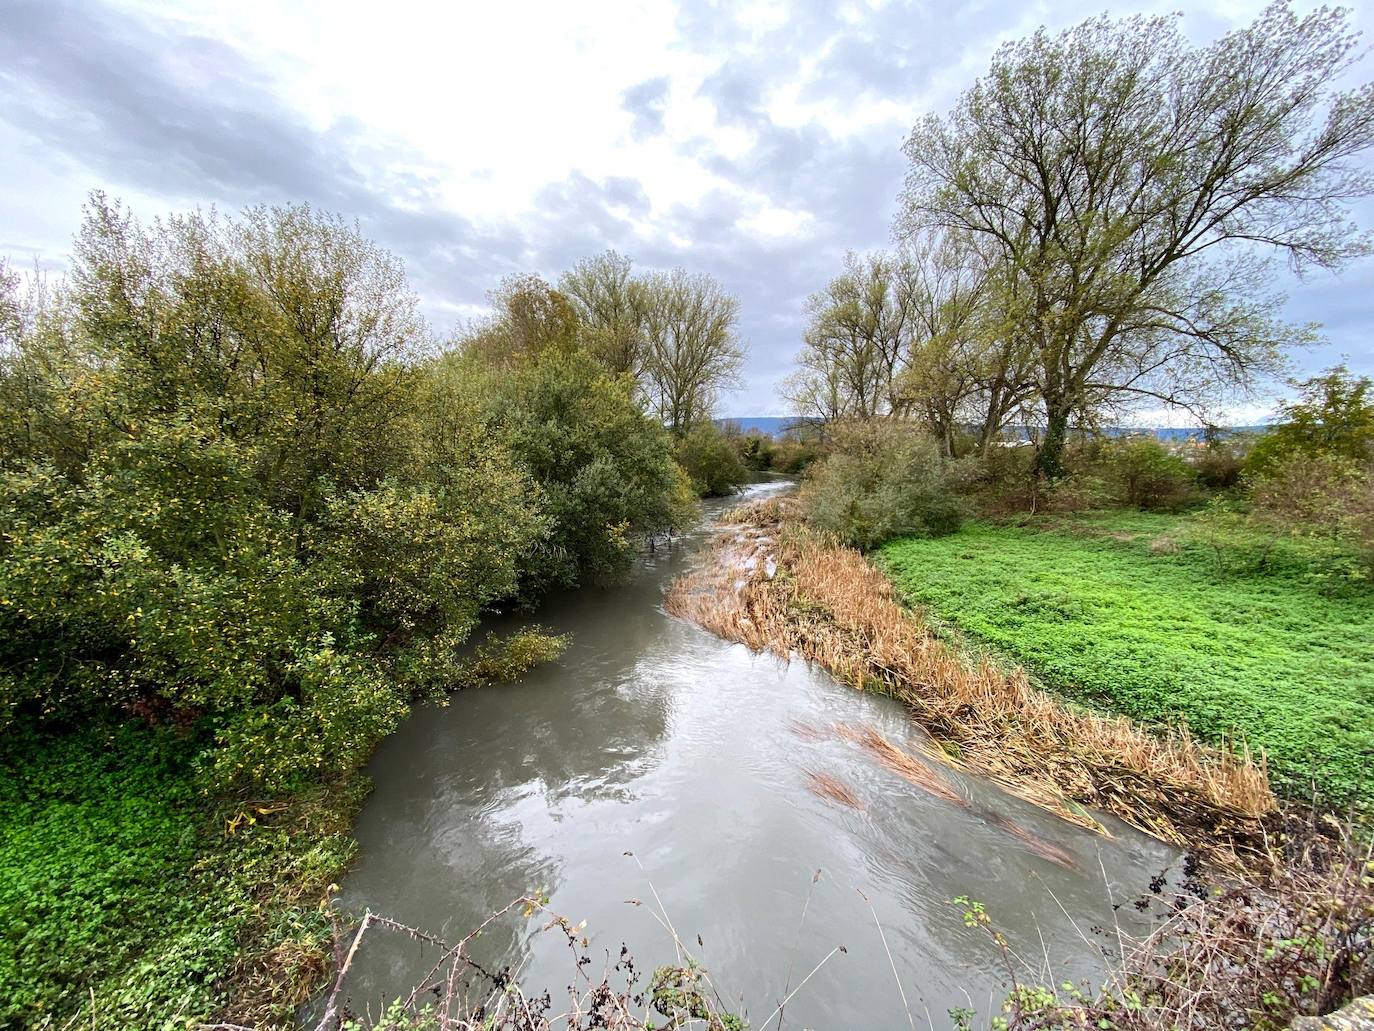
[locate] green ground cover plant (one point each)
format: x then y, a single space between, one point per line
1157 617
121 886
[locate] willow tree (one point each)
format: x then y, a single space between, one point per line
859 329
1136 192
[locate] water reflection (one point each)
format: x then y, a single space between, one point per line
654 737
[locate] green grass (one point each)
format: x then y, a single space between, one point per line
1284 657
122 897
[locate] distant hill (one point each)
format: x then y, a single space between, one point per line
773 425
776 425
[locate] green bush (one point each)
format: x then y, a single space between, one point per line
1334 415
708 457
606 471
883 480
1142 473
1220 464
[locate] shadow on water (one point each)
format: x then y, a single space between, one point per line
652 736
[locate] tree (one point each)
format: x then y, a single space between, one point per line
610 304
1134 192
531 318
1334 415
859 331
692 347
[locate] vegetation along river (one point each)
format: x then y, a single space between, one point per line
651 736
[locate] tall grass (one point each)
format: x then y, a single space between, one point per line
775 585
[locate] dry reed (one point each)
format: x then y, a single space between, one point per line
774 585
906 766
824 785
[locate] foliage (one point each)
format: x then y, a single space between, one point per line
1143 473
789 453
127 906
711 460
1334 416
247 515
1221 463
882 481
606 469
501 659
1085 604
1325 497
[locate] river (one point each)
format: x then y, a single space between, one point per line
652 736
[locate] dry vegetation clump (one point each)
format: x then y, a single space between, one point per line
459 994
1256 954
904 765
825 785
777 586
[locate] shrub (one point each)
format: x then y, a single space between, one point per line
1220 465
709 458
1328 497
1142 473
883 480
606 470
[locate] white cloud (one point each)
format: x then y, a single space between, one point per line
476 138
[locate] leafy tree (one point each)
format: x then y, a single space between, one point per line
1132 191
1334 415
610 304
605 469
711 460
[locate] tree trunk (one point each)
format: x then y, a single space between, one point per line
1049 458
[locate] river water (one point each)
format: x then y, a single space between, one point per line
654 737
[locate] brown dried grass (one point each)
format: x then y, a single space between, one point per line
925 777
825 785
826 604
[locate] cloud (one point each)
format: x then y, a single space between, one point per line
646 101
763 139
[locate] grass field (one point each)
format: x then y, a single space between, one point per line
1278 657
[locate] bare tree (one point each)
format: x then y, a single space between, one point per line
1135 191
692 349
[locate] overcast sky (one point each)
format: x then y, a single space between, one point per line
754 141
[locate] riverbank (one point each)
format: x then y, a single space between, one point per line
776 586
1159 617
1277 921
134 895
131 899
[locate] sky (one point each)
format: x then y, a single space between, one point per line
756 141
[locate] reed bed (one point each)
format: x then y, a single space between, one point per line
775 585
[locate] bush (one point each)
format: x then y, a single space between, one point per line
710 459
1142 473
1219 467
882 481
1327 497
606 470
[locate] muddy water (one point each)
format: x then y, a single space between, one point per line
652 736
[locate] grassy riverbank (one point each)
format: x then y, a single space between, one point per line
131 900
1141 614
